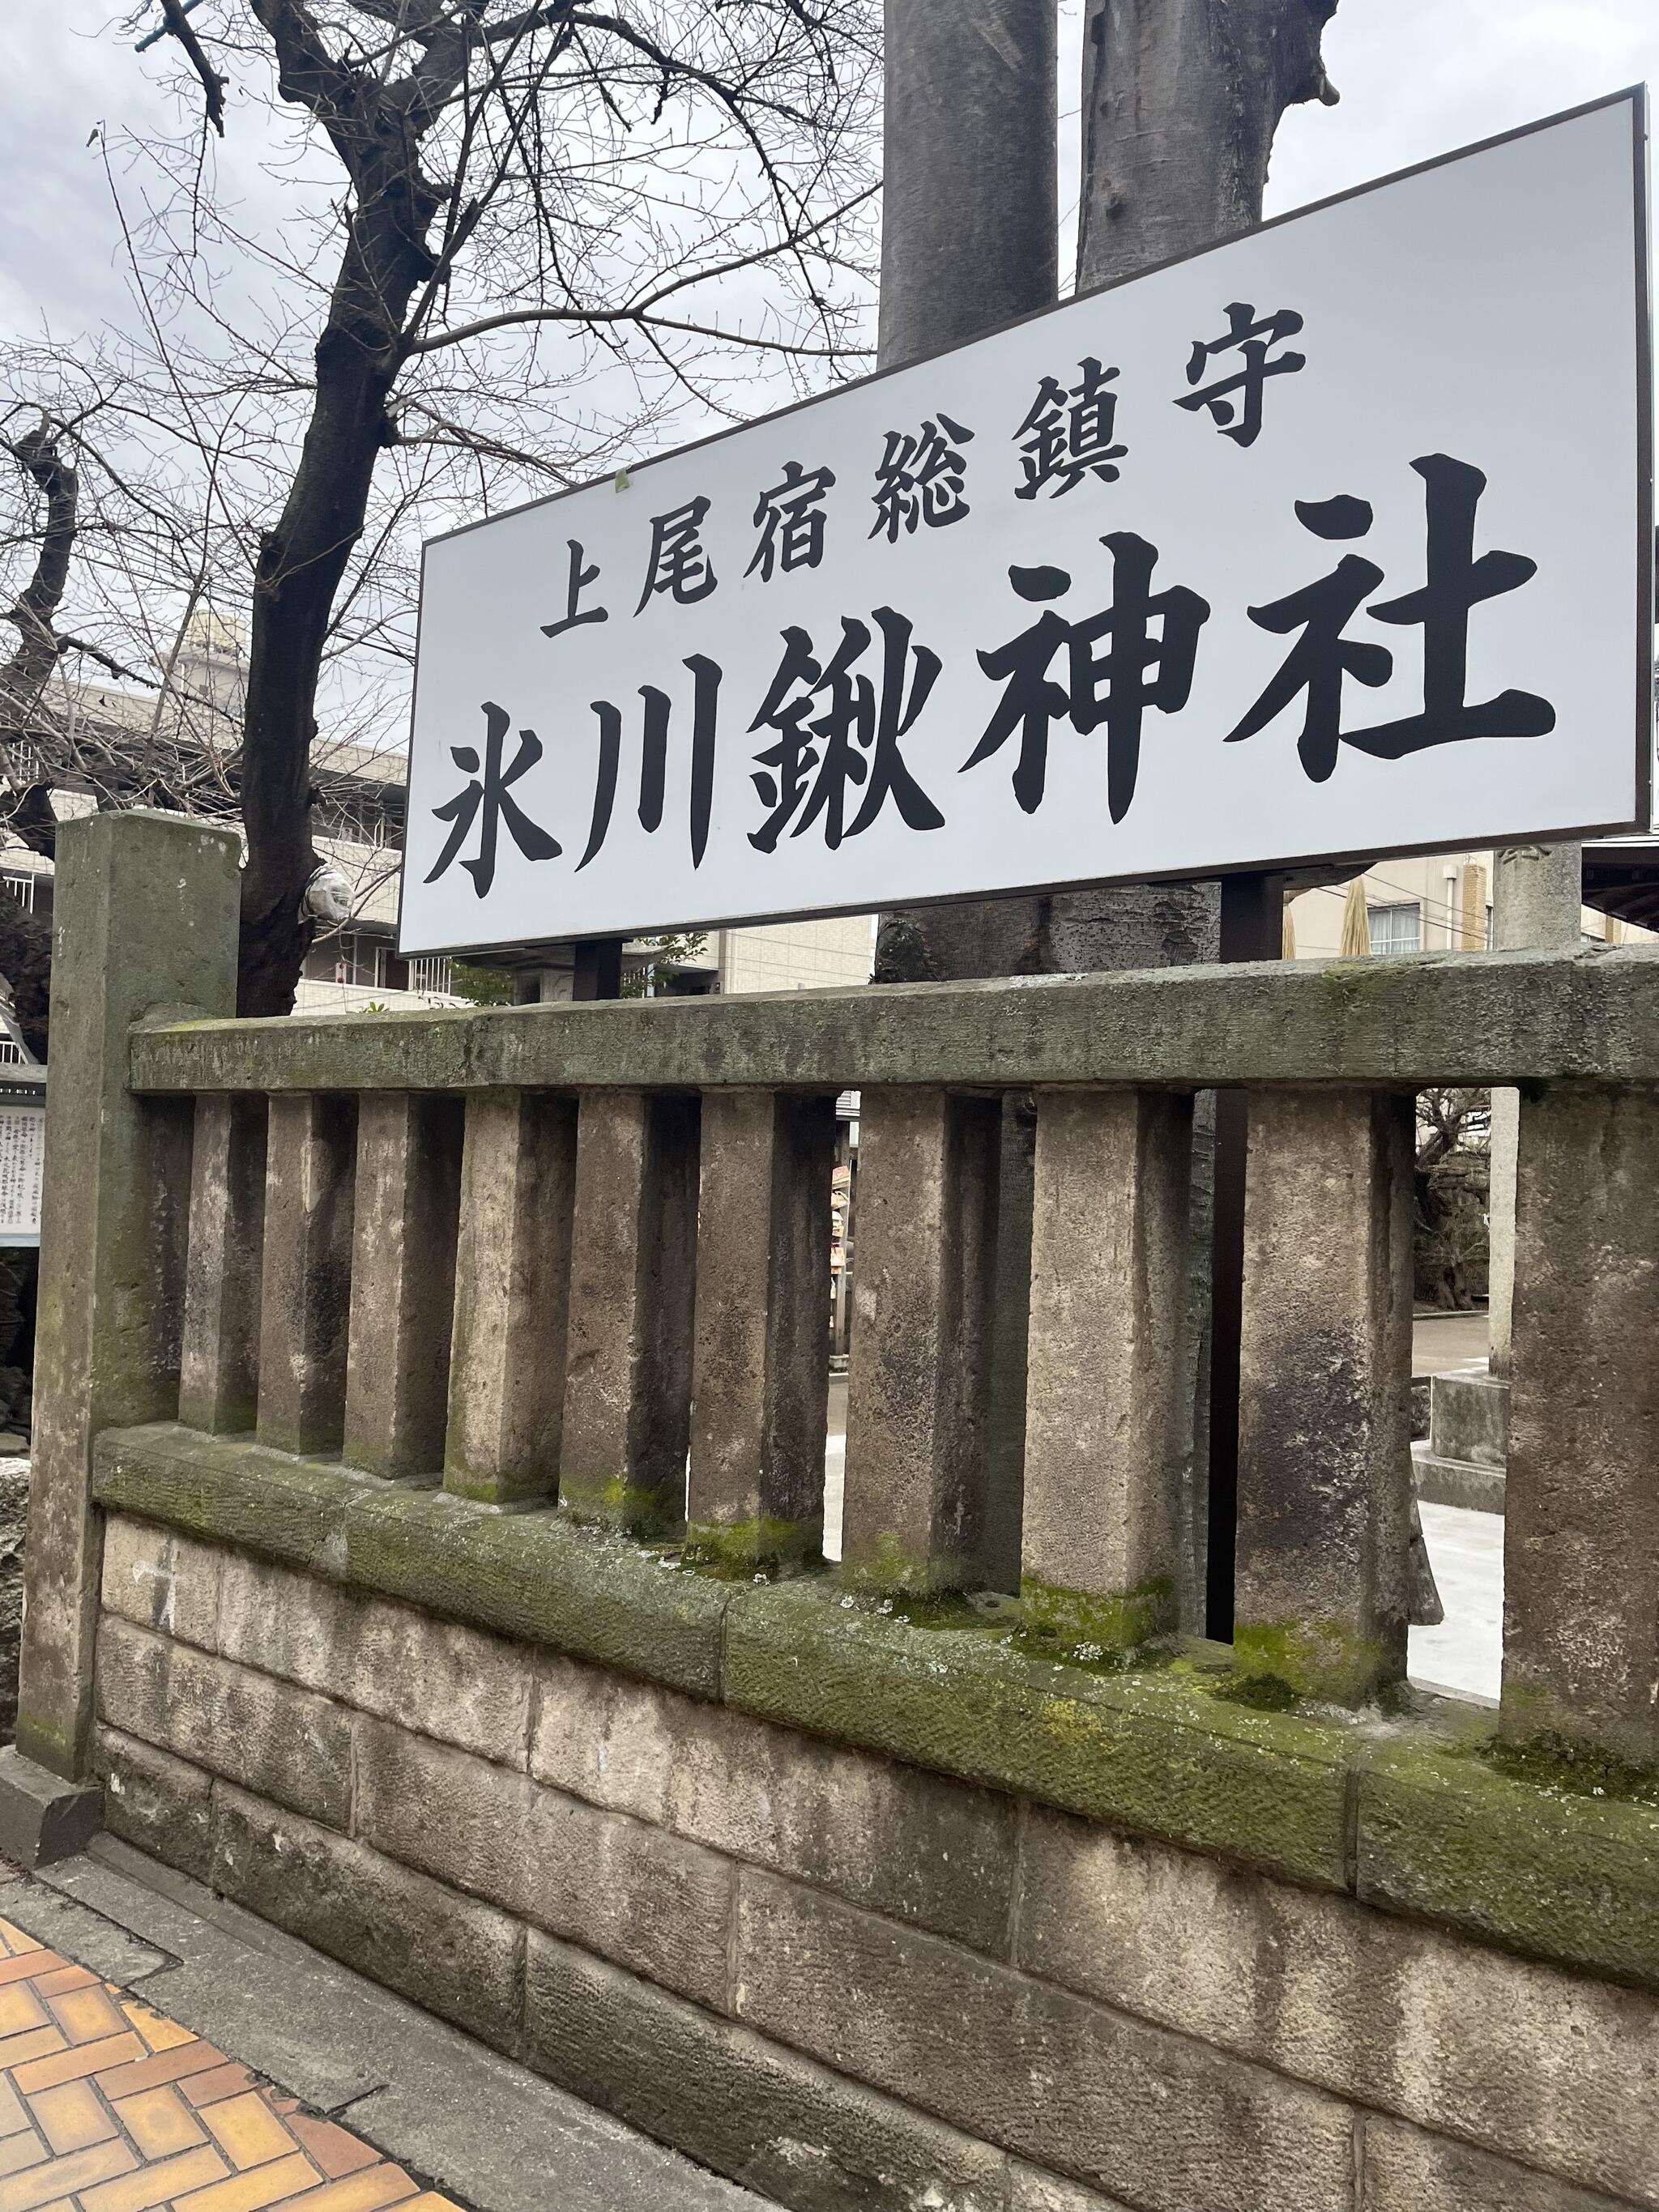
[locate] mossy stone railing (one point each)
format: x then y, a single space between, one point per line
513 1272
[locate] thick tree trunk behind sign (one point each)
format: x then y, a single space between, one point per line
971 240
1181 100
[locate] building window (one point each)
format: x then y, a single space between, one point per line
1397 928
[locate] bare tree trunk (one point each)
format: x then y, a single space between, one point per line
301 562
1181 100
971 240
25 939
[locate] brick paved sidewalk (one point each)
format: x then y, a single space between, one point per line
107 2106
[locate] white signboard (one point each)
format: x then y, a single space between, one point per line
1333 542
22 1166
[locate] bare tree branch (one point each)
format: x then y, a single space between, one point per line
214 85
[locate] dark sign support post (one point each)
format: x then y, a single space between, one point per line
1252 928
599 970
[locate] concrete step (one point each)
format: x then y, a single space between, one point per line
1470 1417
1476 1486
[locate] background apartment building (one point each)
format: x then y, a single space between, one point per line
1444 904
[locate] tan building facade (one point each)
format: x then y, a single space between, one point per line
1440 903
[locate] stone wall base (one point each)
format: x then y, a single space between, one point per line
847 1983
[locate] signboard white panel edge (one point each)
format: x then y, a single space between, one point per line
675 915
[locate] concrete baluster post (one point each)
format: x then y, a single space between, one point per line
1108 1423
633 1289
146 922
1324 1475
512 1298
762 1376
219 1384
1581 1548
1538 905
403 1282
306 1287
917 1440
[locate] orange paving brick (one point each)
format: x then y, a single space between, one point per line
65 2177
160 2033
160 2121
170 2091
72 2116
250 2191
362 2192
164 2066
39 2043
81 2058
62 1978
21 1970
87 2015
21 2007
155 2184
221 2081
331 2148
18 2151
247 2131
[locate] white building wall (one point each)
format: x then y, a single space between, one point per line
797 955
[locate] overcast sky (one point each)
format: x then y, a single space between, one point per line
1417 78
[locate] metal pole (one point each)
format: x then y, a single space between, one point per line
599 970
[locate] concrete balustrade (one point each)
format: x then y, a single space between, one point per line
1108 1439
635 1283
1324 1461
406 1211
580 1255
633 1290
219 1384
762 1366
856 1890
305 1303
512 1298
917 1445
1581 1553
